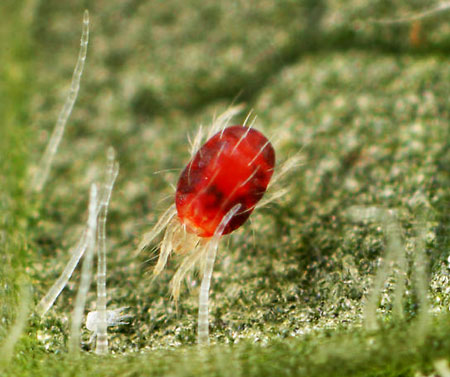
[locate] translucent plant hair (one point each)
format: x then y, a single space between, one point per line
43 170
92 239
395 262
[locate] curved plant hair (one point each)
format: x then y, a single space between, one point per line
43 169
95 231
79 249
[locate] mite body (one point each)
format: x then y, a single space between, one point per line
216 193
233 167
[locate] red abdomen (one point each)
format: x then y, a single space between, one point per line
232 167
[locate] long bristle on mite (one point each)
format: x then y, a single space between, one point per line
162 223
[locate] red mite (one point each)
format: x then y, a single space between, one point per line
233 167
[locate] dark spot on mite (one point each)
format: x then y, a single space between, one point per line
218 197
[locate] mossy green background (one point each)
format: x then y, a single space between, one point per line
366 104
